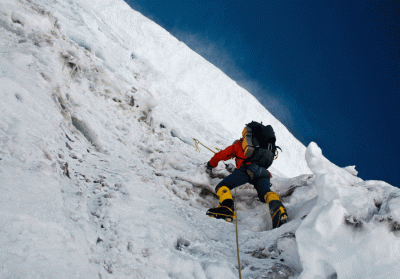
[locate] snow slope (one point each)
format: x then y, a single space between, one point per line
100 178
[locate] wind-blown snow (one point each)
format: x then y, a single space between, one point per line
100 178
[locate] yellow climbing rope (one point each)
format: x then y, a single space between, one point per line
196 142
237 241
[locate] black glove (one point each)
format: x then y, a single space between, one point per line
209 169
230 167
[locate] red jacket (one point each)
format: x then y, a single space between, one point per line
235 150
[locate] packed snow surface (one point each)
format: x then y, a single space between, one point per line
100 177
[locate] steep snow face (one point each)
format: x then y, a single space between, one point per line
99 176
144 54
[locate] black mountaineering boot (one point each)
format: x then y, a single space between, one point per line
276 209
226 209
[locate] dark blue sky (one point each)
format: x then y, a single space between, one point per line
328 70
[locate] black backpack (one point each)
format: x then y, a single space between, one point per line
259 144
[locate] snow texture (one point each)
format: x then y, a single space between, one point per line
100 177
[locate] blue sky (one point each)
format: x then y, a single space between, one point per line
328 70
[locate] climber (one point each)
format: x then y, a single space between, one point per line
253 154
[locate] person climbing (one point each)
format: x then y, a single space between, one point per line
253 153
